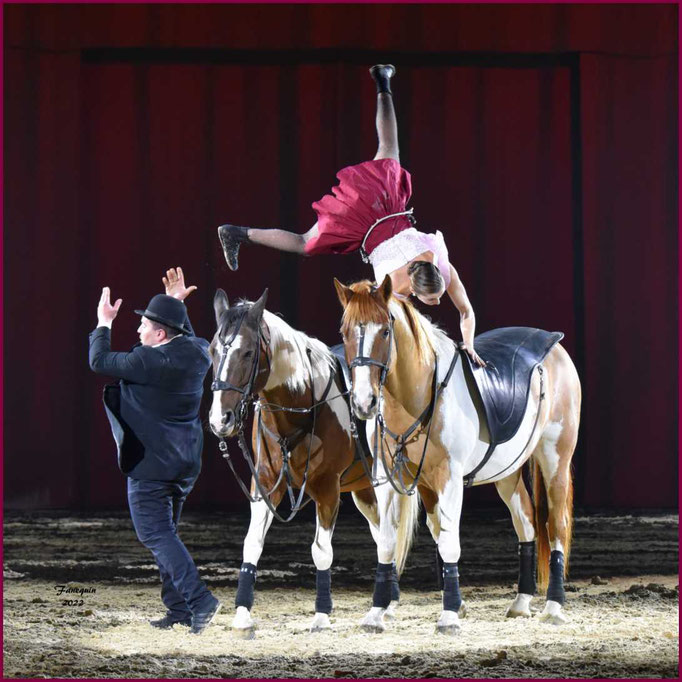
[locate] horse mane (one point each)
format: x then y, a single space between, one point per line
365 306
301 364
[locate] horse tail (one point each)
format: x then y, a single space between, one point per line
541 517
541 534
407 528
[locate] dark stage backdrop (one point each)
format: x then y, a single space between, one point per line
541 139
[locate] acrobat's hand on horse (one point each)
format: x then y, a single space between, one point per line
174 281
106 313
475 357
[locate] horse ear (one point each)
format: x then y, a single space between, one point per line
386 288
220 304
259 305
343 292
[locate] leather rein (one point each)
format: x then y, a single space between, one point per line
423 422
286 443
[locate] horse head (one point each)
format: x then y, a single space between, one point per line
239 352
367 329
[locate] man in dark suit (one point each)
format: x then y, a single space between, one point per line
154 415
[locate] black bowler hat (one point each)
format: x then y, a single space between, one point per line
167 310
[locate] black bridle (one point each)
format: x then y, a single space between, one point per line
423 421
246 391
361 360
286 443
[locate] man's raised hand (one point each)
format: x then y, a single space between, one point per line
106 313
174 281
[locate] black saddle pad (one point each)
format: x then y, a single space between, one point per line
360 425
511 355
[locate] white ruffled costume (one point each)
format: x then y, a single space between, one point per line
404 247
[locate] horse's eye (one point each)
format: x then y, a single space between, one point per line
386 333
248 354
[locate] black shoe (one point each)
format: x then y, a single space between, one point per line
382 74
167 622
231 238
202 619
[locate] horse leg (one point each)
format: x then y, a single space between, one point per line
261 518
450 503
558 484
553 485
366 502
327 505
430 501
513 492
386 578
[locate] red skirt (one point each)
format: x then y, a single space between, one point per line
365 193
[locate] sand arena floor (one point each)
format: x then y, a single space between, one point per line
622 603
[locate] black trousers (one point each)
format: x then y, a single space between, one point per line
155 508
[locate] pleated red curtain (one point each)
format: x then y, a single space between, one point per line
554 184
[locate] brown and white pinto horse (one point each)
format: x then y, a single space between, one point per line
256 352
390 339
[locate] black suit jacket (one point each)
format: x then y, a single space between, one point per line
154 408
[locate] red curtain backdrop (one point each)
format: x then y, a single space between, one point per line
541 139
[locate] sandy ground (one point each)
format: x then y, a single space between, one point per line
622 604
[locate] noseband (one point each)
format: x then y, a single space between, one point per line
361 360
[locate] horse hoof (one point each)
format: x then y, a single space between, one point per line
553 613
390 611
320 623
511 613
463 613
553 618
375 628
244 633
520 607
449 630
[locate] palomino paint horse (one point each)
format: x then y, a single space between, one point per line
256 352
389 341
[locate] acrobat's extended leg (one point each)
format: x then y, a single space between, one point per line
233 236
387 126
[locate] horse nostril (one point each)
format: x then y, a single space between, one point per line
373 402
227 417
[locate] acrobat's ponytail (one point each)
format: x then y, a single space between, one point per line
426 278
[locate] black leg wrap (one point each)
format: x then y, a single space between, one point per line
393 581
247 579
452 599
323 600
555 591
382 585
527 584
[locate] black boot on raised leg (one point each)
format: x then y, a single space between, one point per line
231 238
382 74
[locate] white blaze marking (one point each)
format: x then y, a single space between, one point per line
215 416
362 385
